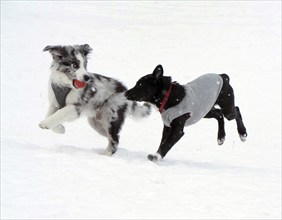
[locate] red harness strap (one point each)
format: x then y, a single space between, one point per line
167 94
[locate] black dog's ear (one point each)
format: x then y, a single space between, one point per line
158 72
56 51
85 49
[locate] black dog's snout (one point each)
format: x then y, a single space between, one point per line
86 78
128 95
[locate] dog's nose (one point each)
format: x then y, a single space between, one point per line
127 95
86 78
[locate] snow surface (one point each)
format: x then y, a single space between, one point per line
52 176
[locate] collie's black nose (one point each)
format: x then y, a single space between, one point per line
86 78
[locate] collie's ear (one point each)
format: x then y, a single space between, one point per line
158 72
52 48
56 51
85 49
47 48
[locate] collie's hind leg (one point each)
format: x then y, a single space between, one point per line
102 127
98 126
114 128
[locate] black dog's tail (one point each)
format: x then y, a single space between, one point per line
140 111
225 77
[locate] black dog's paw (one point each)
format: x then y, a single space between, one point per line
154 157
243 137
220 141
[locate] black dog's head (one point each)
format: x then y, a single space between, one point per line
149 87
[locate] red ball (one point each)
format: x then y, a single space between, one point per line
78 84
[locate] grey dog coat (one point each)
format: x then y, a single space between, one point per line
201 95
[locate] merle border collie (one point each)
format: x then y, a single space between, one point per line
184 105
74 92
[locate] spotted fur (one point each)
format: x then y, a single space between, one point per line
102 100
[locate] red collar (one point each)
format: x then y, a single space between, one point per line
164 101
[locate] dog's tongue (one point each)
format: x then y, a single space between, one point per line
78 84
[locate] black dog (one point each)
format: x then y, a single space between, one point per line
183 105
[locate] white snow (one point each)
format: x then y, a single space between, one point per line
52 176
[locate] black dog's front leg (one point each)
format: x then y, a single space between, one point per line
171 135
166 132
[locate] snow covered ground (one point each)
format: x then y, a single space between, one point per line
52 176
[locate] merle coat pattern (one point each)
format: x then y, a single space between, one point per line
153 88
74 92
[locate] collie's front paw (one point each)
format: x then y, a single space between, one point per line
44 125
60 129
154 157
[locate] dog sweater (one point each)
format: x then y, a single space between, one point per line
200 97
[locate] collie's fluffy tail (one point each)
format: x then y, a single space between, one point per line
140 111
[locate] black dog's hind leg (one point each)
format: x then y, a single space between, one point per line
226 101
218 115
170 136
240 126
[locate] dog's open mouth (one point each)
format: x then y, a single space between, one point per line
78 84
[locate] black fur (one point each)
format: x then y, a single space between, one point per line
152 88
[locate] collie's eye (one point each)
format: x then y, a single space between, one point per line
74 65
